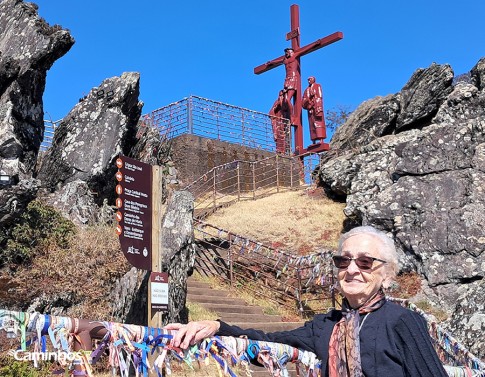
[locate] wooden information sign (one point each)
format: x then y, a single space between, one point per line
134 214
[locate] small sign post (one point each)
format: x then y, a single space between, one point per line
138 215
159 292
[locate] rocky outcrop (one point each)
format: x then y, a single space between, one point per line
76 202
177 253
413 107
422 179
28 48
421 97
14 200
128 298
93 134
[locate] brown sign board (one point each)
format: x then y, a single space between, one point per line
159 291
134 213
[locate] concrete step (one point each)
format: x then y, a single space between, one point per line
226 308
248 318
192 283
207 292
216 299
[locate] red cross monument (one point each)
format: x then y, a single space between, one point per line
292 85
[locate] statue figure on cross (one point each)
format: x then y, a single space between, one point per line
313 102
292 84
279 112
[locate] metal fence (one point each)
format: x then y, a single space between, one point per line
302 283
49 129
244 180
216 120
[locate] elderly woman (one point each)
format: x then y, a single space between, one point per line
369 336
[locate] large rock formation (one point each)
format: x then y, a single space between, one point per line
28 48
413 164
89 139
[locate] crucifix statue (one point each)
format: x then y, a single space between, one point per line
291 61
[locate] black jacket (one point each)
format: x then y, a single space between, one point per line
394 341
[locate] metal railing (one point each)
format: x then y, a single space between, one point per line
244 180
216 120
304 283
49 129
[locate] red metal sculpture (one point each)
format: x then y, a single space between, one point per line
279 112
291 60
313 102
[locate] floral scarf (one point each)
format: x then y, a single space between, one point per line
344 345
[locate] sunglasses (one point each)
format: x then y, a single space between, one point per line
364 263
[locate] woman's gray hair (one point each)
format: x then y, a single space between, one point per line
387 250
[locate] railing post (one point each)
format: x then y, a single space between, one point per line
332 290
190 121
231 272
291 173
242 128
254 181
238 183
214 188
298 278
277 174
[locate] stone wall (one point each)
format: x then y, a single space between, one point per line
193 156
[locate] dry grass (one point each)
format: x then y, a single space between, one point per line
84 272
198 312
298 221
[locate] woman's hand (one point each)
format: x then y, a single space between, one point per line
192 332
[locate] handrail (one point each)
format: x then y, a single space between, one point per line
244 180
73 337
450 350
288 280
217 120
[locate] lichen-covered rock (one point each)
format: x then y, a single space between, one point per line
28 48
478 74
422 95
372 119
425 186
468 320
177 253
76 202
14 200
128 298
89 139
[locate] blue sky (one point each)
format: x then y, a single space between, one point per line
210 48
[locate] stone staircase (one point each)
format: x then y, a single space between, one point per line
236 311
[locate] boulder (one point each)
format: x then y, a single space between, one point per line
424 184
93 134
14 200
372 119
478 74
422 95
75 201
28 49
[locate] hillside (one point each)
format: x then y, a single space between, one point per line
297 221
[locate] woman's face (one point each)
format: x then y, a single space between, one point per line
359 285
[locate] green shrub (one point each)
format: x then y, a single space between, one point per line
24 369
39 226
